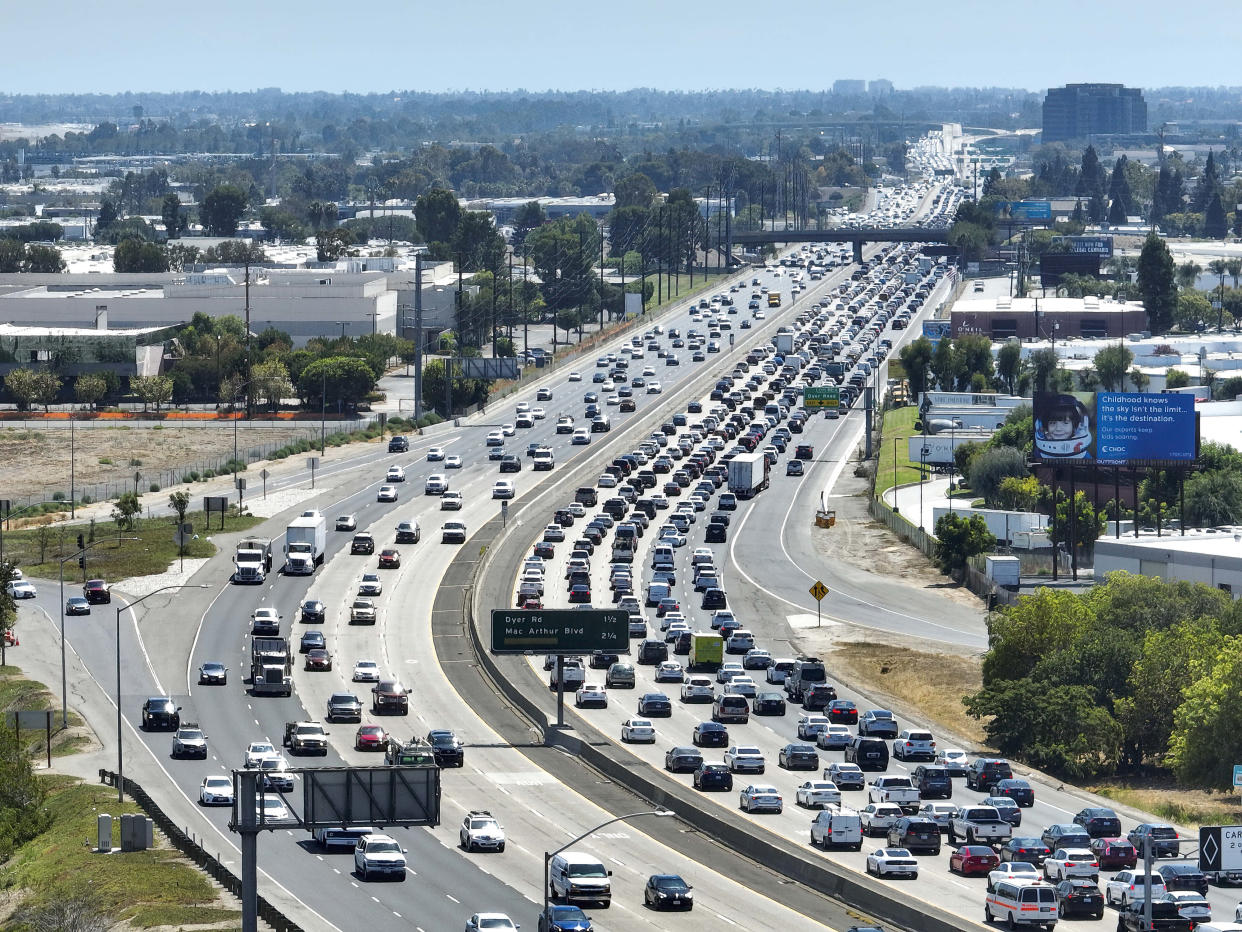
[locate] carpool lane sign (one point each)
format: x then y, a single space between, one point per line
1220 847
559 631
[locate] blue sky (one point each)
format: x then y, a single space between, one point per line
143 45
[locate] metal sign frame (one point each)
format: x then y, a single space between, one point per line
340 796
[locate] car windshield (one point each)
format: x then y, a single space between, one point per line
482 823
564 913
587 870
383 847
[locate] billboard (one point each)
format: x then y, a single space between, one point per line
1054 265
937 330
1115 428
1088 245
486 368
1025 210
937 449
821 397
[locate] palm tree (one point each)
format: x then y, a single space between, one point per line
1234 266
1188 273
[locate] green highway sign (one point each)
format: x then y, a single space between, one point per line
559 631
827 396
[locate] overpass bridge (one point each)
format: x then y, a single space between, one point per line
857 237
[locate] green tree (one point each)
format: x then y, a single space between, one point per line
23 815
1111 364
174 219
1019 494
991 468
180 504
271 382
44 259
1009 364
1139 379
1193 311
1156 283
1021 635
958 539
135 255
1215 224
529 216
125 512
1188 273
152 390
222 209
1214 499
46 389
945 365
12 255
1176 378
1207 725
476 243
331 245
22 385
1087 524
974 357
634 190
180 255
344 379
437 213
89 388
1230 389
916 357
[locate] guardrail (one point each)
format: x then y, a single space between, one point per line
207 862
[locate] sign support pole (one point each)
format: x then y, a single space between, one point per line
560 690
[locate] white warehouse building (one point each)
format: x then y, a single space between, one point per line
1209 556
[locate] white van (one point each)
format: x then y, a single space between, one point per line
578 877
837 827
661 554
1017 902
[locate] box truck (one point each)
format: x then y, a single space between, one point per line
748 474
305 542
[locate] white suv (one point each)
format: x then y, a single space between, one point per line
480 830
379 854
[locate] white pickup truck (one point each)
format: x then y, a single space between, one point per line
979 825
897 790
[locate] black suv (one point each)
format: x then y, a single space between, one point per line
399 445
161 712
985 772
313 612
915 833
933 782
446 749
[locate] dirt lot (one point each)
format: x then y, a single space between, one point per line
34 462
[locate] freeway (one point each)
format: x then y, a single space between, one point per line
232 718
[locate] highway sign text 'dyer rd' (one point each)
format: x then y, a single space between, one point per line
559 631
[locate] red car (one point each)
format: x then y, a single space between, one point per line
973 859
1115 853
389 558
371 738
318 659
545 550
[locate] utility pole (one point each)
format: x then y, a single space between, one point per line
248 375
525 310
601 279
418 336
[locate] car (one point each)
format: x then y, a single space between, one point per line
386 493
1006 807
216 791
768 704
651 705
1079 897
213 673
314 611
452 461
77 605
363 543
878 818
591 695
683 760
362 612
21 589
668 891
344 707
575 376
794 468
760 797
744 758
757 659
491 922
446 748
371 738
1162 837
818 794
347 523
379 854
1191 905
835 738
495 439
508 430
96 592
451 501
1099 822
480 831
709 735
973 859
436 484
563 918
1016 789
1019 871
1031 850
1114 853
453 532
189 741
713 776
1067 863
842 712
1065 835
1184 877
845 776
669 671
503 489
954 760
637 729
435 454
892 862
1129 886
318 659
395 474
877 723
257 751
370 585
811 725
161 712
798 757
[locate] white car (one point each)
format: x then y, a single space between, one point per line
744 758
436 484
386 493
816 794
654 388
671 536
1071 862
728 670
523 407
451 501
760 797
637 729
366 671
490 922
581 436
940 813
878 818
495 439
702 555
954 759
1013 870
503 488
811 725
575 376
480 830
1129 886
607 481
836 738
1192 906
508 430
538 413
216 791
371 584
892 862
22 589
591 695
435 455
697 689
257 751
264 617
743 686
452 461
271 808
379 854
396 474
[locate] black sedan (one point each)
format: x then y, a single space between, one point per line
667 891
842 712
713 777
213 673
768 704
1079 898
798 757
710 735
1018 790
313 612
682 760
654 705
1099 822
1031 850
312 640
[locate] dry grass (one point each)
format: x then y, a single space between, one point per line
930 684
1161 796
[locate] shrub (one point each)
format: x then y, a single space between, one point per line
153 487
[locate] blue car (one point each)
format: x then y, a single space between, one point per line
564 919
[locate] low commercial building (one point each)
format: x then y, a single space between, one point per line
74 351
1211 556
1048 318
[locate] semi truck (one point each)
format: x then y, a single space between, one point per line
252 560
270 667
748 474
783 342
306 540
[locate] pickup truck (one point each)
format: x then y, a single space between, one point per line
1165 917
897 790
306 738
978 825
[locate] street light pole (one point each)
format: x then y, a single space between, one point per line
549 855
120 756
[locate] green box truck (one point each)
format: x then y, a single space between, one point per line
706 650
